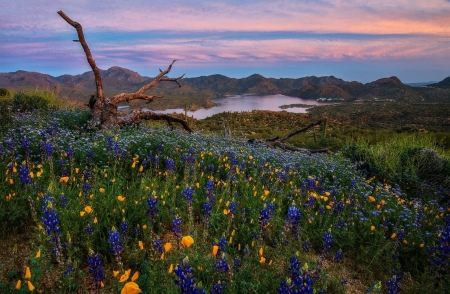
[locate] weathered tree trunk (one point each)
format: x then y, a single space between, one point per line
278 142
104 112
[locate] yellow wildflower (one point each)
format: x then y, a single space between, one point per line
130 288
27 273
171 268
101 190
38 254
371 198
30 286
135 276
167 246
215 249
19 284
120 198
88 209
262 260
63 179
141 245
187 241
125 276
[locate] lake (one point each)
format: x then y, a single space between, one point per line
249 102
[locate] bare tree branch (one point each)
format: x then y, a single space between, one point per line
87 51
132 96
137 116
304 150
294 133
140 93
160 77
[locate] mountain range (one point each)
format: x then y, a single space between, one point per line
118 80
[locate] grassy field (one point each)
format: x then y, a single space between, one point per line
157 210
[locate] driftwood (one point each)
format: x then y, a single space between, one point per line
278 142
104 110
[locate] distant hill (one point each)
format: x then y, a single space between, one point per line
118 80
444 84
382 89
419 84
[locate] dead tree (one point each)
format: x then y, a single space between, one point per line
278 142
104 112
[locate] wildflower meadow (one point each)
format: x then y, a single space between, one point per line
155 210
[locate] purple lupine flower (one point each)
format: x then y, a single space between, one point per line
124 227
49 149
170 165
221 264
158 245
188 194
206 213
152 211
185 278
63 200
293 220
89 230
51 225
95 267
338 257
327 241
219 287
177 226
298 281
392 284
232 207
306 246
116 243
24 176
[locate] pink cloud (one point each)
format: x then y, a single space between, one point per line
374 17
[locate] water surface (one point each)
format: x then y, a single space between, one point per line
248 102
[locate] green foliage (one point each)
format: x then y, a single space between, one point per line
5 93
407 160
34 100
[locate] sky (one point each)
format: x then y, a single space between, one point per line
356 40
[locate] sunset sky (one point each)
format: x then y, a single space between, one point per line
360 40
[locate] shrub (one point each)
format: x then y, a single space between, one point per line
5 92
34 100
